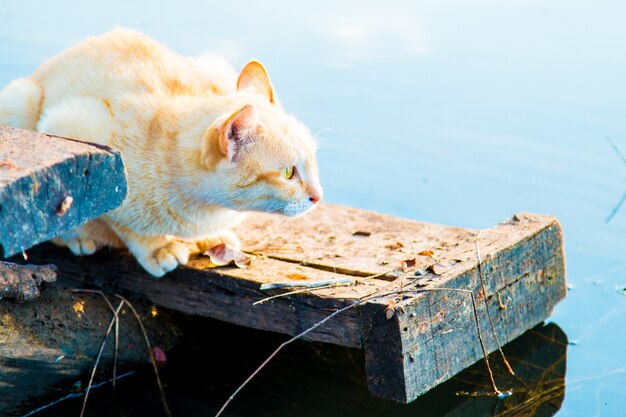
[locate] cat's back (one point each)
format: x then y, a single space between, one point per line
123 61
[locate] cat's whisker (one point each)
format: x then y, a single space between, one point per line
322 130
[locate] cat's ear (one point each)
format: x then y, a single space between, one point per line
238 130
254 77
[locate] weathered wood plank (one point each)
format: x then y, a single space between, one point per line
223 293
406 355
354 241
435 337
50 184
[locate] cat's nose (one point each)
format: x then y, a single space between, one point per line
314 197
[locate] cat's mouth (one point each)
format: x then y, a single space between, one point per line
298 209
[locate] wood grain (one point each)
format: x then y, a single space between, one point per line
50 184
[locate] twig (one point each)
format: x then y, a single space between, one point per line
623 199
308 284
492 381
616 208
482 286
279 348
284 294
95 366
354 281
74 395
368 297
168 412
616 149
117 328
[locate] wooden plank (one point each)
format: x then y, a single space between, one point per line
353 241
406 355
436 336
223 293
50 184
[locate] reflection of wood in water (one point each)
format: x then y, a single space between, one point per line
539 360
311 379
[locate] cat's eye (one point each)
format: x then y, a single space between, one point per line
287 172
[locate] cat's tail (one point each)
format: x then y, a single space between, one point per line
20 104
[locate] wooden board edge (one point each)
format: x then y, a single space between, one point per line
391 366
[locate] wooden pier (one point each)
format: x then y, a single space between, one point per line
409 284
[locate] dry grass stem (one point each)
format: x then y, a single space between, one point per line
482 286
95 366
117 328
355 281
166 407
375 294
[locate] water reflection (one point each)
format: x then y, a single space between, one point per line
315 379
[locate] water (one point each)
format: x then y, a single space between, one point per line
449 112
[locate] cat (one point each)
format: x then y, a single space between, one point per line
201 146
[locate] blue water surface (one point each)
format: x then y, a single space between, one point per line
453 112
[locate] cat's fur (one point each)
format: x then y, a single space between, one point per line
200 145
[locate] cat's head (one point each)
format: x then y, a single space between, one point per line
265 157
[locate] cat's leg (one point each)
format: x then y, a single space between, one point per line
225 236
20 104
88 238
77 241
83 118
156 254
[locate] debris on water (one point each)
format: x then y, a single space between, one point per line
572 342
505 394
498 394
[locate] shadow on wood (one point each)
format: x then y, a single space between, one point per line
58 335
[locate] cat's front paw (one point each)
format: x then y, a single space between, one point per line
165 259
78 245
226 237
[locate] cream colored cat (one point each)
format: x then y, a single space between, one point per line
200 145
